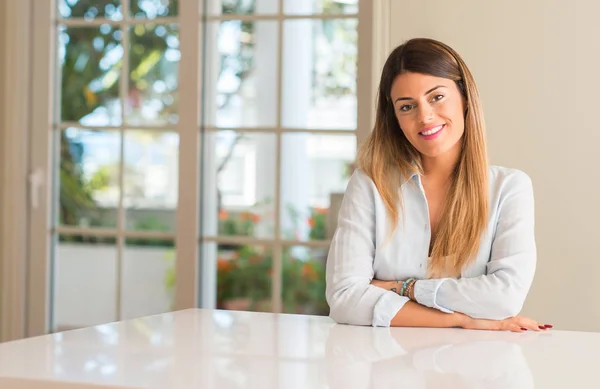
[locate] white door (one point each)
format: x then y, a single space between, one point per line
192 156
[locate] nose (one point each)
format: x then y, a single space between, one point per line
425 113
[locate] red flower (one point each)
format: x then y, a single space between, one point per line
309 272
224 265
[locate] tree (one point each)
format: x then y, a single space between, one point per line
90 64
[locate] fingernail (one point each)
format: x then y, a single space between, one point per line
548 326
542 327
524 329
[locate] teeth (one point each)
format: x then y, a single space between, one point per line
432 131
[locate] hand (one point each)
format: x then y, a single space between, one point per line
513 324
522 324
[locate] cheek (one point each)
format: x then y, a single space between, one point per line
406 124
460 121
455 114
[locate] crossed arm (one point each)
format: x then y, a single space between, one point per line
355 297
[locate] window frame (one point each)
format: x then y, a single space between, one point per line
15 95
372 45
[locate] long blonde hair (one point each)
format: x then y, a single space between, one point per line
389 159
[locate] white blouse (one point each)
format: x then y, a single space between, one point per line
494 286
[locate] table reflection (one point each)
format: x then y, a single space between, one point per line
360 357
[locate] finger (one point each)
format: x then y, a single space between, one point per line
518 328
525 324
532 325
515 327
545 326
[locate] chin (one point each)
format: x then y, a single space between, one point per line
433 152
441 149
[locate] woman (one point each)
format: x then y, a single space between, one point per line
429 234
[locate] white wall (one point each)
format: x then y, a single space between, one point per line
536 63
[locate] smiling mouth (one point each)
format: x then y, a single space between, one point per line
432 131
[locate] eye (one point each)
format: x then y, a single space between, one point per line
405 108
438 97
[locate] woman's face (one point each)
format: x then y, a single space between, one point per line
430 111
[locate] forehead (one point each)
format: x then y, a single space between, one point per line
416 84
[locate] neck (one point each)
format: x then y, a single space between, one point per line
439 169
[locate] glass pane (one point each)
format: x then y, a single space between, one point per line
303 280
241 74
330 7
148 277
319 74
315 170
153 79
85 275
243 7
151 180
90 60
152 9
90 9
244 276
239 184
89 178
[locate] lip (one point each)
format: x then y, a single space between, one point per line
432 136
431 127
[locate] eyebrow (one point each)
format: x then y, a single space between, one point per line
425 94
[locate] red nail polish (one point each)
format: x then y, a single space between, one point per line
524 329
548 326
542 327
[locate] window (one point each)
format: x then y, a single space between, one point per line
200 151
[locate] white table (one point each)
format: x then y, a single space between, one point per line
221 349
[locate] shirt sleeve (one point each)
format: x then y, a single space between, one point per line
351 297
501 292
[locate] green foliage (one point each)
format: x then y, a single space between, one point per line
303 285
149 223
238 6
333 7
169 277
247 274
110 8
96 240
90 76
100 179
318 224
242 224
74 197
